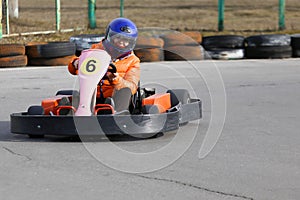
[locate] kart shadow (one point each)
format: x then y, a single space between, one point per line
7 136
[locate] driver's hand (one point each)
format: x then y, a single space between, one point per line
111 76
76 63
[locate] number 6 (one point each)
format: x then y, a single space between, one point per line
90 66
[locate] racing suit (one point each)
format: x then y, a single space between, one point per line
128 68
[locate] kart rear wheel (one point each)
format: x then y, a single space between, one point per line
179 96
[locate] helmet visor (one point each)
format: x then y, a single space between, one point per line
120 41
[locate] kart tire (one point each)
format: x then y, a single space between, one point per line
35 136
13 61
67 92
268 40
179 95
35 110
223 41
11 50
150 109
150 54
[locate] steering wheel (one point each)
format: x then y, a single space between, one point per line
112 69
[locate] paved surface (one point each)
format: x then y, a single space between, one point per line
257 155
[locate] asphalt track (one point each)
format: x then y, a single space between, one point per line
250 110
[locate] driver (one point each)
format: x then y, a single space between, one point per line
119 42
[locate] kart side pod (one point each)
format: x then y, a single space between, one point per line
162 101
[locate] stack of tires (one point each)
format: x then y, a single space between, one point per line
12 55
149 49
268 46
227 47
182 46
295 43
49 53
85 41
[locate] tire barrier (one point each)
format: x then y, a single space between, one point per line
178 39
150 54
226 54
179 46
149 49
50 49
85 41
60 61
226 47
173 53
49 53
268 46
171 46
195 35
295 43
12 55
13 61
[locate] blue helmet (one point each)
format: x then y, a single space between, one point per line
120 37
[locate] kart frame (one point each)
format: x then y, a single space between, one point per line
109 124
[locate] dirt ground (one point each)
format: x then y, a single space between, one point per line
243 17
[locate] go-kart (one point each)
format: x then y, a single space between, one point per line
73 113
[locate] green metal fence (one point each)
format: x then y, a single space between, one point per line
201 15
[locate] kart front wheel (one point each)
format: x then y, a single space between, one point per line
179 95
35 110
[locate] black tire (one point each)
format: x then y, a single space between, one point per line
122 99
223 41
50 50
60 61
269 52
179 95
85 41
268 40
296 53
36 136
226 54
35 110
150 109
67 92
295 41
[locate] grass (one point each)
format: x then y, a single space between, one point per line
242 17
